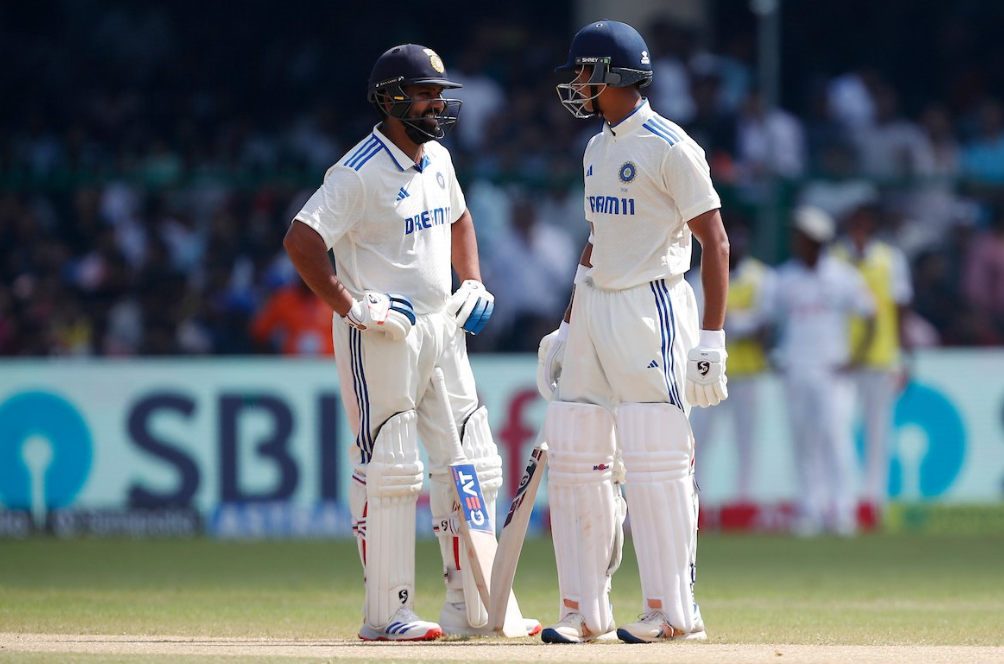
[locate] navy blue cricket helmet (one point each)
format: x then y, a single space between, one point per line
619 58
411 64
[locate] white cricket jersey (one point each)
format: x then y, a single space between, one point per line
644 179
812 309
388 220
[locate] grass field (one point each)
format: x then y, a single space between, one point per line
874 591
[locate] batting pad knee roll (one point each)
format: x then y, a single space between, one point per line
657 447
393 481
585 508
481 450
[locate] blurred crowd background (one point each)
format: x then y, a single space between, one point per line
152 155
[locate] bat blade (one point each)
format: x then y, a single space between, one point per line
510 543
476 529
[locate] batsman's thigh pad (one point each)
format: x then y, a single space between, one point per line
480 450
393 481
662 500
586 514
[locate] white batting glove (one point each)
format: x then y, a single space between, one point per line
471 306
706 380
383 312
550 355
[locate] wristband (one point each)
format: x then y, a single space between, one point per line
712 339
580 273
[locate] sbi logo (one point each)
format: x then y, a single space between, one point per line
46 451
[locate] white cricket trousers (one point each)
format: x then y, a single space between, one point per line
629 346
820 405
380 378
877 395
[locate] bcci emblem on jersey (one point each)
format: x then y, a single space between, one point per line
441 180
627 172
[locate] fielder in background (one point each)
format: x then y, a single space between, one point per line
751 283
390 218
812 306
882 374
631 355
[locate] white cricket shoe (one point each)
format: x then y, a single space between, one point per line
453 620
654 626
572 629
404 626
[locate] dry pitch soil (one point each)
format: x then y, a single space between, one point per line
484 650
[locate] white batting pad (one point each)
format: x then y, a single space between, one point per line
662 499
480 450
585 508
393 482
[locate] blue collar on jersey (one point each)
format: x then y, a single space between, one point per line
401 160
632 120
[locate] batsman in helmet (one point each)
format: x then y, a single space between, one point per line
631 358
377 242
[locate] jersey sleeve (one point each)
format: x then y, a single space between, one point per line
458 202
902 289
688 180
336 207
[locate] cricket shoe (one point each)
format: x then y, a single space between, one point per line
453 619
572 629
654 626
404 626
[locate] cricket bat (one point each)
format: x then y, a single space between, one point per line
476 529
510 543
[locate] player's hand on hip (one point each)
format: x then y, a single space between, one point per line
706 379
382 312
471 306
550 355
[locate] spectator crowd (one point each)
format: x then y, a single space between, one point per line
153 154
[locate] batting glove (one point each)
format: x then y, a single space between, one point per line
550 355
706 380
384 312
471 306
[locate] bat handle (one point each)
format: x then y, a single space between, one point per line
443 397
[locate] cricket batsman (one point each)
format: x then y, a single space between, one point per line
631 355
376 242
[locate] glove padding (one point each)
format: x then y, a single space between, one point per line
384 312
471 306
706 380
550 355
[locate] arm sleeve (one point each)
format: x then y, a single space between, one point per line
336 207
688 180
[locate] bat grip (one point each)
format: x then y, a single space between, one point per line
443 397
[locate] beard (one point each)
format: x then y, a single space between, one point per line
422 129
